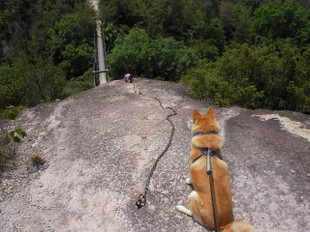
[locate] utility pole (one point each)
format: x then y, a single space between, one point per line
100 50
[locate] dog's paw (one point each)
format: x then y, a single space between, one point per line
180 208
184 210
188 181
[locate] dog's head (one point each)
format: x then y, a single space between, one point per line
205 123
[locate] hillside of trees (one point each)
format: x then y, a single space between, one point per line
46 50
253 53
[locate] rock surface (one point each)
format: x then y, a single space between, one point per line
100 145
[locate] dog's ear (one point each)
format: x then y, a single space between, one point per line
196 115
211 112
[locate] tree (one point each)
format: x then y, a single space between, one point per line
123 12
24 24
277 20
129 53
27 81
227 19
215 35
44 81
12 84
137 54
71 44
242 23
168 59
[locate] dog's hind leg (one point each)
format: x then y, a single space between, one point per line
196 206
193 196
188 181
184 210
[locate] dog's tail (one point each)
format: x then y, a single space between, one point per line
238 225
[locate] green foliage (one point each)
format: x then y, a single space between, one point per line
16 134
28 81
255 78
46 48
7 151
214 35
47 99
242 23
12 84
123 12
227 19
44 80
128 53
167 58
79 84
280 20
136 54
69 45
110 32
11 113
42 43
181 19
24 24
205 50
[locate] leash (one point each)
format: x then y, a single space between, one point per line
142 197
210 174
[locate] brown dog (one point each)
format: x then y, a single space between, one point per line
238 226
204 132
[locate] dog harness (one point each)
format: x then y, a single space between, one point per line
205 133
205 150
208 153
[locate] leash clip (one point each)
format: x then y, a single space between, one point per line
141 201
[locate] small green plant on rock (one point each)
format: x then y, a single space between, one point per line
11 113
7 151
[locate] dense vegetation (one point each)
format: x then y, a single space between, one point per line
253 53
46 49
248 52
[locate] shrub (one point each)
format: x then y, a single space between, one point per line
257 77
7 151
135 53
79 84
30 80
12 84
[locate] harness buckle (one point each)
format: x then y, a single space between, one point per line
141 201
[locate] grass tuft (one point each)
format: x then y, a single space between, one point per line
6 152
37 160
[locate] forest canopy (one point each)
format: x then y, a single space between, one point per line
254 53
46 50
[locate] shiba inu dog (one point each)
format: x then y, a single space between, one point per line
204 132
238 226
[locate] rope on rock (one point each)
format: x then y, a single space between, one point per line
142 197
